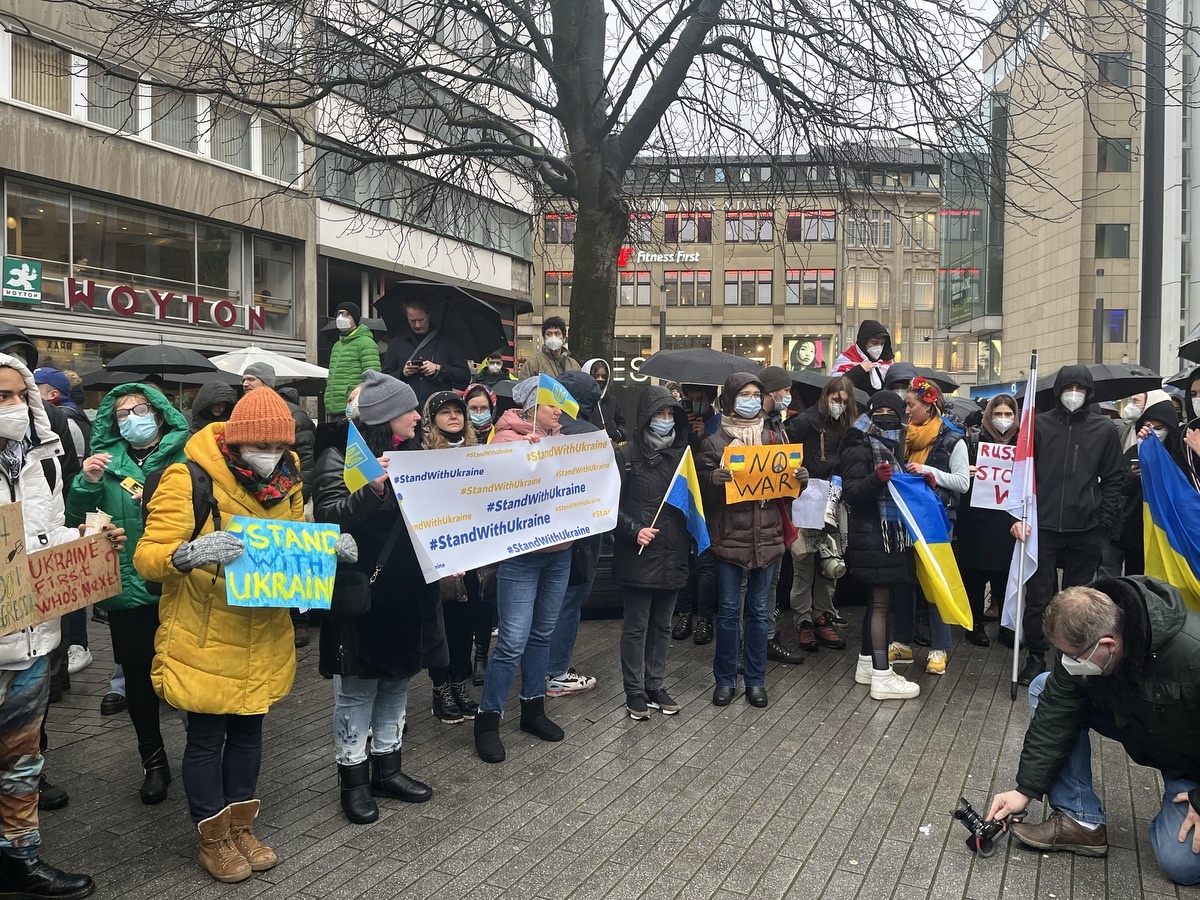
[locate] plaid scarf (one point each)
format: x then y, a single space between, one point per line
884 446
267 491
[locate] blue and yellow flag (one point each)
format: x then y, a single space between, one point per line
684 495
551 393
1170 516
937 570
361 465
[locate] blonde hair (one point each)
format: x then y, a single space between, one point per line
1079 617
433 438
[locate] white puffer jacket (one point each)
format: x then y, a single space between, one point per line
42 509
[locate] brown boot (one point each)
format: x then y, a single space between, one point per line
241 818
220 858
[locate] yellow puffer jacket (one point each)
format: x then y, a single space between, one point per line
211 657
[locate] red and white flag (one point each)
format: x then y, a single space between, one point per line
1022 503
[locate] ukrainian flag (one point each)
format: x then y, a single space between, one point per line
551 393
684 495
361 465
1170 516
937 570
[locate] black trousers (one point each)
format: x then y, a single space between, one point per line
221 761
700 596
1077 553
976 582
460 617
133 647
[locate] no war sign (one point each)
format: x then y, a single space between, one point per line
762 473
993 476
285 563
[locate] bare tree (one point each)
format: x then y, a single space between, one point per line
519 100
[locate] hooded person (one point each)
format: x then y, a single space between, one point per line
586 391
899 377
213 403
607 412
867 360
1080 477
1159 421
352 355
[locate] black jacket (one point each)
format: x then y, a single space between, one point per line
305 441
442 349
609 416
586 392
645 477
1077 459
402 632
868 556
982 536
822 442
1154 696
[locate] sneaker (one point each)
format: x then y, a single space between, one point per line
935 663
683 628
1035 665
635 705
78 658
808 640
777 651
838 618
828 635
663 702
570 682
444 708
1061 832
703 633
887 685
899 653
862 671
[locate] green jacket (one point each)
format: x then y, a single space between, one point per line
108 495
352 354
1154 696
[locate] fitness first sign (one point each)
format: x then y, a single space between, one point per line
637 257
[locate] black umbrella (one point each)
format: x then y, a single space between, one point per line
964 411
161 359
1113 382
1183 380
107 379
943 380
1190 348
700 365
475 325
807 384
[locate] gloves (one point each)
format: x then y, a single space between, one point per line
802 477
218 547
883 472
930 479
346 548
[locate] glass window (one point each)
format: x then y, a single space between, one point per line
641 227
1116 332
635 289
922 347
39 224
1112 241
219 261
173 118
278 152
687 228
866 293
704 288
820 225
643 288
671 287
229 138
557 289
551 228
751 346
1115 69
731 287
41 74
127 245
923 289
559 228
791 287
746 227
1115 154
112 99
274 284
765 285
920 232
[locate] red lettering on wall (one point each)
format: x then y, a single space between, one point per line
223 313
160 303
194 313
256 317
123 299
76 295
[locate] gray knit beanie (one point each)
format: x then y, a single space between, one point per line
383 397
262 371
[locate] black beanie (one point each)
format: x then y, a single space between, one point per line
352 308
886 400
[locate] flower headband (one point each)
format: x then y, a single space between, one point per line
925 390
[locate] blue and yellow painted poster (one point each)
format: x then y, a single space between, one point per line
285 564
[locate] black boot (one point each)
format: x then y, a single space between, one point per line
32 878
487 737
535 721
388 781
158 775
51 796
683 628
462 699
1035 665
444 708
480 672
978 636
358 803
704 631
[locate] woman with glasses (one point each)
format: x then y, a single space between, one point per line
137 431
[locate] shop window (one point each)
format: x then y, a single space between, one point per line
1115 154
629 352
274 284
558 228
173 118
41 74
687 342
750 346
112 100
749 227
229 137
687 228
1112 241
219 262
808 351
38 226
278 152
557 290
635 289
127 245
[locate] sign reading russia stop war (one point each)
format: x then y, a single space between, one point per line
762 473
993 476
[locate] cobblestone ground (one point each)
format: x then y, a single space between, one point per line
825 793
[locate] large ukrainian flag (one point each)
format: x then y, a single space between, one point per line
937 570
1171 518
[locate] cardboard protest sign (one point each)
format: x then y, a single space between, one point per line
762 473
286 563
471 506
993 476
17 599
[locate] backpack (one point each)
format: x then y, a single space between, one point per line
204 505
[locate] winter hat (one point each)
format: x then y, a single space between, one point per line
443 398
261 417
886 399
774 378
262 371
525 393
383 398
55 379
900 371
351 309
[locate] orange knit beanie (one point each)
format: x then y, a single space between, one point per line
261 417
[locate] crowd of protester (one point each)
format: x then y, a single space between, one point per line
257 453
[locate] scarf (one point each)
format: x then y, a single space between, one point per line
745 432
884 446
267 491
656 443
12 458
918 439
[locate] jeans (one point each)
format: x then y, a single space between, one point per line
367 704
530 590
220 762
905 608
562 642
116 681
24 698
75 628
1073 794
732 607
645 638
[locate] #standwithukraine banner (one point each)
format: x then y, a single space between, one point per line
472 506
1170 517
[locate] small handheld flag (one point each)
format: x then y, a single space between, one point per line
551 393
684 495
361 465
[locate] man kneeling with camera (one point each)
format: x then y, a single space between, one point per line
1129 670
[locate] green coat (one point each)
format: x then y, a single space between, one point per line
352 354
108 495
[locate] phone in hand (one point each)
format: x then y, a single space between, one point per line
417 361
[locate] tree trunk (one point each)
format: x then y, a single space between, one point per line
601 226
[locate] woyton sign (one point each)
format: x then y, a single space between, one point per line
128 301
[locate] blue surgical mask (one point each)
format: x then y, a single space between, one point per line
351 410
662 427
785 402
747 407
139 430
480 419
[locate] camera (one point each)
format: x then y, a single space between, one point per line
982 840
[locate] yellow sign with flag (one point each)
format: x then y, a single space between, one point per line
762 473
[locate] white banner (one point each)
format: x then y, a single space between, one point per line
472 506
993 476
808 510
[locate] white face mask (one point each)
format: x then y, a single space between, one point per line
1196 406
1002 424
1072 400
344 324
875 353
1085 666
836 410
1131 412
14 421
495 368
1162 434
262 462
554 344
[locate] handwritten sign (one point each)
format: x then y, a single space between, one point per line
993 476
286 563
762 473
17 599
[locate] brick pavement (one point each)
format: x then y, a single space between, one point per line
822 794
